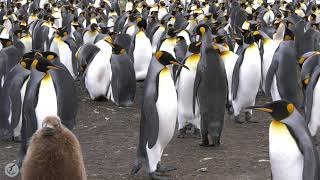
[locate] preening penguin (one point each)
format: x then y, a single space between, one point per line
50 157
158 115
293 156
141 51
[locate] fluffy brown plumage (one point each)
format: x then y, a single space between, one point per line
54 154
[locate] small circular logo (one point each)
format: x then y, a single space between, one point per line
11 170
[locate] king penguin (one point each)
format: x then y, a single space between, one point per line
47 93
123 82
293 155
141 51
158 115
246 75
210 90
184 84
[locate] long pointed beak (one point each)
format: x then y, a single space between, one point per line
261 108
179 64
53 67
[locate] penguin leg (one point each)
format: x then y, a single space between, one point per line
229 108
196 133
182 132
236 114
163 169
237 119
204 134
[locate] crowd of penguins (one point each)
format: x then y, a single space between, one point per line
198 59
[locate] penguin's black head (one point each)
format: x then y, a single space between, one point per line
94 27
6 42
195 47
141 23
117 49
18 33
166 58
172 32
49 55
42 64
279 110
62 32
27 60
219 39
180 38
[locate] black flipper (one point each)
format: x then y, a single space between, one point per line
235 75
270 74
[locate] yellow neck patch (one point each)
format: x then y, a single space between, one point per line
192 61
46 79
164 72
278 128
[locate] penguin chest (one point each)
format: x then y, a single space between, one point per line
142 55
229 60
27 42
315 114
89 37
98 75
166 106
186 36
65 54
185 86
156 38
285 157
250 70
131 29
168 45
47 100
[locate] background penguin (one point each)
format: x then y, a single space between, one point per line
291 150
49 157
141 51
158 115
281 80
123 82
184 85
90 34
14 90
311 101
210 90
65 51
97 76
246 76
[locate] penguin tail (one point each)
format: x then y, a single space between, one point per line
136 167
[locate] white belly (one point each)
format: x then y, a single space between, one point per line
98 77
66 57
168 45
270 47
186 36
27 42
185 99
285 157
156 38
167 112
142 56
315 114
89 37
249 80
229 61
47 102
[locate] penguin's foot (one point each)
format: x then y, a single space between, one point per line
230 109
196 133
163 169
249 118
182 133
158 176
237 119
205 142
215 141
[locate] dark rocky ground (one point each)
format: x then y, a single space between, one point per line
108 136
